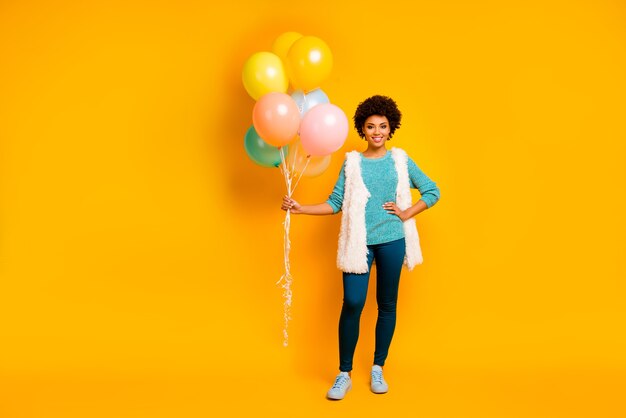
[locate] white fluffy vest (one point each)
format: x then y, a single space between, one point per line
352 251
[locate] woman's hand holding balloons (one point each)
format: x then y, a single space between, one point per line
296 208
291 205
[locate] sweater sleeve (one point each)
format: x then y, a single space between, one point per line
420 181
335 200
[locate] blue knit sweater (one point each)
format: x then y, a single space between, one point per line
381 179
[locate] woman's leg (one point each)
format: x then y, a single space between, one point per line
389 260
354 295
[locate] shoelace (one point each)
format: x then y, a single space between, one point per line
377 377
340 382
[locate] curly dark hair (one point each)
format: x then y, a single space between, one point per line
377 105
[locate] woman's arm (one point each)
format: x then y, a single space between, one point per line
332 205
428 190
296 208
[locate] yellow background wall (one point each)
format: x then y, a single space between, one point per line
140 246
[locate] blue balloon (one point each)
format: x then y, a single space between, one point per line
309 100
260 151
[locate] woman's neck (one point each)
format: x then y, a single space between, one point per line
375 152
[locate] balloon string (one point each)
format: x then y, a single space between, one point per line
286 278
308 158
295 158
285 171
304 100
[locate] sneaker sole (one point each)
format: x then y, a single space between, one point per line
337 398
379 392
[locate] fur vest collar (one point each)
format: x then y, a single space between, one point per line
352 249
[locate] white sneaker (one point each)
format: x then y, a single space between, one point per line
378 383
340 387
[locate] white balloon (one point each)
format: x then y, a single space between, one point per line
309 100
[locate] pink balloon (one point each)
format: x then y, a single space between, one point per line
276 118
323 130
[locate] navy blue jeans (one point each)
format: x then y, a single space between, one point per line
389 257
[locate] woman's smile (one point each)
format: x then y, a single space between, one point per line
376 129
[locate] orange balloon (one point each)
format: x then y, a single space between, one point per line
297 161
276 118
309 63
282 44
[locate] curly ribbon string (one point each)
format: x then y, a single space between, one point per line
286 279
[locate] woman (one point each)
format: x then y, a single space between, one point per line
377 223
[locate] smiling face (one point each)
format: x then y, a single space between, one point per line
376 129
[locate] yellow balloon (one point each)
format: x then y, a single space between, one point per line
309 62
282 44
264 73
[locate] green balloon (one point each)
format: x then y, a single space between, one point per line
260 151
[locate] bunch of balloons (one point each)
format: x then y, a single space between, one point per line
301 129
298 131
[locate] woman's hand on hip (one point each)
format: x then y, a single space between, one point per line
392 208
